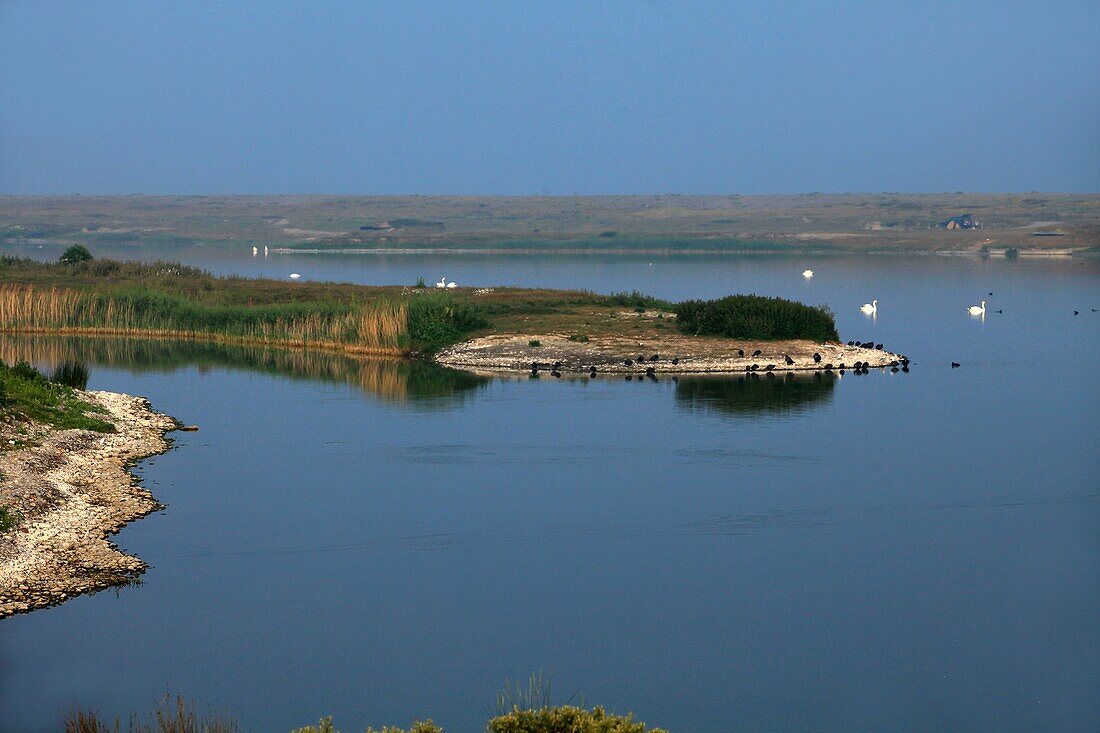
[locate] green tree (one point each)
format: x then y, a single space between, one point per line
76 253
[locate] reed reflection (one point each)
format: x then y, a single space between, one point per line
416 383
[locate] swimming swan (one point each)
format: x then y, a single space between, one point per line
807 274
978 310
870 308
442 282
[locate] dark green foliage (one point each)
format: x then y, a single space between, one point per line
438 319
534 342
566 719
579 338
634 299
76 253
755 317
71 374
8 519
28 395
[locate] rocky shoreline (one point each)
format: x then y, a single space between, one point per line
71 489
671 354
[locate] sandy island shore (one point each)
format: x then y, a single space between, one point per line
71 489
693 355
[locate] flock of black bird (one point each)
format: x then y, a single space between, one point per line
860 367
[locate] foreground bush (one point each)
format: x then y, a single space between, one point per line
756 318
25 394
566 719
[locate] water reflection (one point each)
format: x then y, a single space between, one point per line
754 395
395 380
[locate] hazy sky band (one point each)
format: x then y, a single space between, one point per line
553 98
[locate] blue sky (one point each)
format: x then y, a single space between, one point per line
548 97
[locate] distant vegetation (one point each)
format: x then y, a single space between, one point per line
755 318
76 253
178 716
168 300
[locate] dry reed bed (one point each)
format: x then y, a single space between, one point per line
368 329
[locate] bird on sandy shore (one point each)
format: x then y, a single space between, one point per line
878 347
756 353
628 362
787 358
655 357
769 367
817 358
675 360
754 367
740 352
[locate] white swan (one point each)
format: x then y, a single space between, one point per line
452 285
442 282
807 274
870 308
255 251
978 310
294 276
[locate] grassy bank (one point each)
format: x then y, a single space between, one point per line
26 394
108 298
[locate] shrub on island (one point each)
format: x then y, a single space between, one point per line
757 318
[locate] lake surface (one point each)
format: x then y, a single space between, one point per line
382 541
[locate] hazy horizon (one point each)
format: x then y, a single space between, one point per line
507 99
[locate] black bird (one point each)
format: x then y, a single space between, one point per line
894 363
557 365
740 352
534 366
592 370
754 367
1093 310
999 310
769 367
756 353
878 346
1075 313
654 357
991 292
904 361
841 366
817 357
828 367
675 360
787 358
748 369
955 365
641 358
628 362
534 374
650 370
905 368
851 343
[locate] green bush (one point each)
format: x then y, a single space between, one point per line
566 719
76 253
755 317
581 338
28 395
436 320
8 519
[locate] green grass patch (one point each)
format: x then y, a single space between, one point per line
754 317
8 519
26 394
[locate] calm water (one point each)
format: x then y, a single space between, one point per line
383 542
